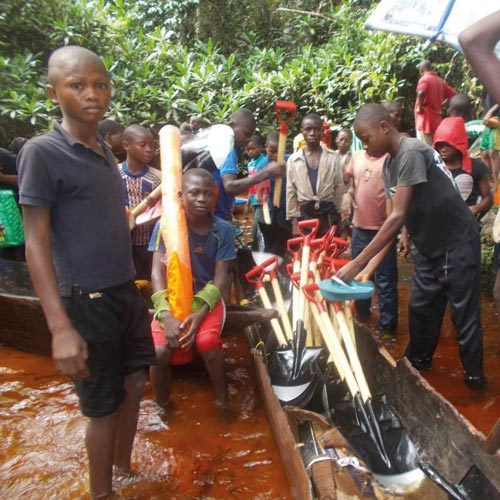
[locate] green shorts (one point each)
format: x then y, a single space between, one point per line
490 139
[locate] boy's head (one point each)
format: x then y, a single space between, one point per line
395 112
17 144
272 141
198 192
451 142
186 131
139 144
374 128
195 122
460 105
312 129
80 84
254 146
112 133
243 125
343 140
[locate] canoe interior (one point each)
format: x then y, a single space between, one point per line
444 436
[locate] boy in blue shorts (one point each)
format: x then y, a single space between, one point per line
211 245
78 252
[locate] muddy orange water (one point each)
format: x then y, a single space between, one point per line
194 452
481 408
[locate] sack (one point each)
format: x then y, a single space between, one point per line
11 224
325 212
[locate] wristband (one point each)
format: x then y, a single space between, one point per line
160 303
209 295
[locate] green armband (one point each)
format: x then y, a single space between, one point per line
160 303
209 295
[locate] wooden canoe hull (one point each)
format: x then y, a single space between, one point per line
444 438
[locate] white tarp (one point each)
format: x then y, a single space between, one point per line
432 19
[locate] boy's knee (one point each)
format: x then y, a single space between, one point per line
163 355
206 343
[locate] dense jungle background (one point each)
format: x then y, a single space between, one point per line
172 58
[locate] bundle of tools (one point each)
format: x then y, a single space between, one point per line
313 362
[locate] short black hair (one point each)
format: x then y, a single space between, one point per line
273 137
460 105
257 139
312 116
347 131
132 131
197 172
371 114
17 144
109 126
244 115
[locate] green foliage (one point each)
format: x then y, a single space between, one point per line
174 58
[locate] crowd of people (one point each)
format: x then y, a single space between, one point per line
74 181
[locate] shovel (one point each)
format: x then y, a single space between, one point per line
290 108
474 485
256 277
274 235
387 436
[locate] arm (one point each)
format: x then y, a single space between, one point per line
489 115
233 185
486 198
69 350
420 101
385 235
171 325
192 323
478 43
8 179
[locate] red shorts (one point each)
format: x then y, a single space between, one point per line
207 338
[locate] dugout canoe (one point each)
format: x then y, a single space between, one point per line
23 325
445 439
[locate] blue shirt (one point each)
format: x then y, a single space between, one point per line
225 201
204 250
254 166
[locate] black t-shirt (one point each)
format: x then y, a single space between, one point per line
438 219
84 191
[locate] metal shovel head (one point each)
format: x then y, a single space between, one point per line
337 292
476 486
350 416
275 236
289 389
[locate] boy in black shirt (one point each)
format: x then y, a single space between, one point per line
424 198
79 256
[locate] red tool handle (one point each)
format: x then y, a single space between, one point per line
313 225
